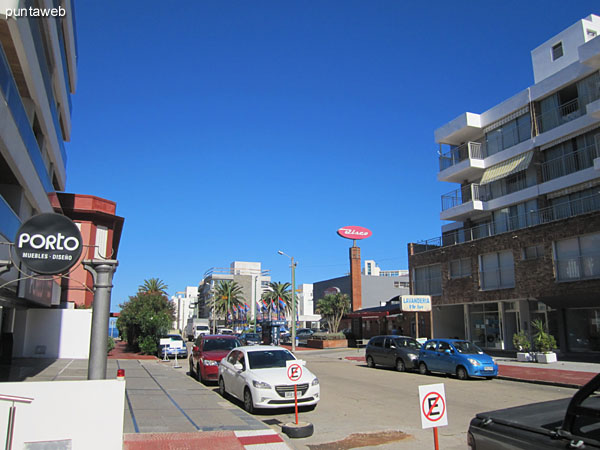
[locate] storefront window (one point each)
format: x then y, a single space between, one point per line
583 327
486 325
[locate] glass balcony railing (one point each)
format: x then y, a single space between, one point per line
13 99
550 214
470 150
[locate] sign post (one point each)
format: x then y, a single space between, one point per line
416 304
432 401
294 373
165 342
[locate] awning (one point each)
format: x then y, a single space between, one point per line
506 168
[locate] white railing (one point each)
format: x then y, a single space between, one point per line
470 150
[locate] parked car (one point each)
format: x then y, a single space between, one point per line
455 356
208 350
257 375
173 349
225 331
302 334
401 352
250 339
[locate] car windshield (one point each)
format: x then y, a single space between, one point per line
408 343
220 344
267 359
466 347
251 336
175 337
202 327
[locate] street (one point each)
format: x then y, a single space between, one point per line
356 399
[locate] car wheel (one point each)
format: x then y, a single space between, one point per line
222 390
400 367
461 373
423 368
248 404
370 362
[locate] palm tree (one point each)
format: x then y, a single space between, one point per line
153 286
278 291
228 294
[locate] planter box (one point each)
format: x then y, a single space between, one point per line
330 343
525 357
546 358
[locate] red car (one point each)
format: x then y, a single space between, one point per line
208 350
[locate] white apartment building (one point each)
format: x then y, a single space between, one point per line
372 269
523 238
184 303
38 74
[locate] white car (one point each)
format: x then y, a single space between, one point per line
257 375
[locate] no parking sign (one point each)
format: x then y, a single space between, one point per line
432 401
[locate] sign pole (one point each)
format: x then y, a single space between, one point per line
417 323
435 439
296 401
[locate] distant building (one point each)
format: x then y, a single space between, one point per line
184 303
306 306
249 275
524 238
376 290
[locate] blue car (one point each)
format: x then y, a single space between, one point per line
454 356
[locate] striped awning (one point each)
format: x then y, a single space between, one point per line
506 168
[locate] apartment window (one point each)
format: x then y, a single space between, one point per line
533 252
460 268
557 51
577 258
496 270
428 280
101 243
509 134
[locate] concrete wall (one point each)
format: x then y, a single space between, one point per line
53 333
88 413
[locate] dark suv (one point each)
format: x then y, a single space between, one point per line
401 352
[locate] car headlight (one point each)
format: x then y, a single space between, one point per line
474 362
209 362
315 382
261 384
413 356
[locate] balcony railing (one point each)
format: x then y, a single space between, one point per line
463 195
554 213
470 150
557 116
572 162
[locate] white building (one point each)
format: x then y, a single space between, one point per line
38 74
306 306
372 269
184 303
523 240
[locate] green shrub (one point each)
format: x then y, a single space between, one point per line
543 341
111 344
328 336
521 341
148 345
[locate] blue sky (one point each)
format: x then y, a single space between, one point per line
227 130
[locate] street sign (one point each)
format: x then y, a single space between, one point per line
165 341
416 303
432 400
294 369
176 344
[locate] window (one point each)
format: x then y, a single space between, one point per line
557 51
430 346
577 258
376 342
428 280
591 34
443 347
533 252
496 271
101 243
460 268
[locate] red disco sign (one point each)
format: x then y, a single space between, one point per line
354 232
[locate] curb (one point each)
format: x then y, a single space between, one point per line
543 382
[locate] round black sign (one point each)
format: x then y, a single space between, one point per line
48 243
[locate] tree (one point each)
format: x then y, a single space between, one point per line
278 291
228 294
153 286
333 307
144 319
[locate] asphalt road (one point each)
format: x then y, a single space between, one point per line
357 400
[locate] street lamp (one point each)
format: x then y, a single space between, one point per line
293 299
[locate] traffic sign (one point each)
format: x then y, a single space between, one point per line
432 400
294 369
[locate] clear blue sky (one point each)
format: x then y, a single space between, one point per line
227 130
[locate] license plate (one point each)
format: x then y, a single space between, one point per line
289 394
488 368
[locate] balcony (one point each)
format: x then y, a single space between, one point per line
463 201
461 162
569 163
555 213
557 116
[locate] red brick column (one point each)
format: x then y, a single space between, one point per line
356 298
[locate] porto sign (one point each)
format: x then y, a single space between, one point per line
48 243
353 232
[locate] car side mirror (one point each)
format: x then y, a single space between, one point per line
238 366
